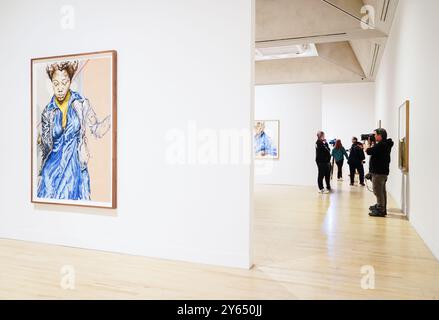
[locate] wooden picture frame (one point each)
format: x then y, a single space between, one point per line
404 136
89 111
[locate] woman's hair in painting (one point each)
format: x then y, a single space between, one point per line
69 66
260 124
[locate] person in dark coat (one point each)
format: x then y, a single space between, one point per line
379 167
323 160
355 161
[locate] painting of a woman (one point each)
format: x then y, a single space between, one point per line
264 145
63 142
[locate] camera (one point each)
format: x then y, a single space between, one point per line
332 142
368 137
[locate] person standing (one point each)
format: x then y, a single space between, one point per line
339 153
379 168
323 159
355 161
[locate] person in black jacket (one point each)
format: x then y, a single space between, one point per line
379 169
355 161
323 159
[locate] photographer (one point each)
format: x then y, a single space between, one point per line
379 152
323 158
355 161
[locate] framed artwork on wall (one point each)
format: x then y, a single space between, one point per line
73 129
404 136
266 139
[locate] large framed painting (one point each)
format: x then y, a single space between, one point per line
266 139
404 136
74 119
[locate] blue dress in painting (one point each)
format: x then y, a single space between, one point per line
61 174
263 144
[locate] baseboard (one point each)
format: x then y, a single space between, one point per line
222 259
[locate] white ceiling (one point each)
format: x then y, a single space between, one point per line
349 50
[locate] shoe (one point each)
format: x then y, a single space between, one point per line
323 191
351 184
362 184
377 213
329 190
375 208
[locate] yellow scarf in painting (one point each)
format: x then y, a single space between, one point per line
64 107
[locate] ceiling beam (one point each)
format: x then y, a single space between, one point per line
300 70
352 8
342 55
323 38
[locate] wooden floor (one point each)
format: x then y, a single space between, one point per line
308 246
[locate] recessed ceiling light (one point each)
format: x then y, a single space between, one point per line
286 52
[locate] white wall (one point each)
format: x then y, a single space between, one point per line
348 110
298 108
409 70
341 110
178 61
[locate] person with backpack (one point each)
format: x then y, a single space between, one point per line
355 161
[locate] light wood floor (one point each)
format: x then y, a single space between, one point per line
308 246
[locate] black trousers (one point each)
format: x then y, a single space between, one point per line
324 173
356 167
340 168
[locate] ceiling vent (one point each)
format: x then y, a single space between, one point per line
286 52
385 10
376 52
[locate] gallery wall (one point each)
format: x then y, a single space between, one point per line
409 71
298 108
183 67
348 110
341 110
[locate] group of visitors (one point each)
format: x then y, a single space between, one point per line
377 147
356 159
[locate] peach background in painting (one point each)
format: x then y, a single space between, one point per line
97 88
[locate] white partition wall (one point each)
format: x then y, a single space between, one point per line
181 65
